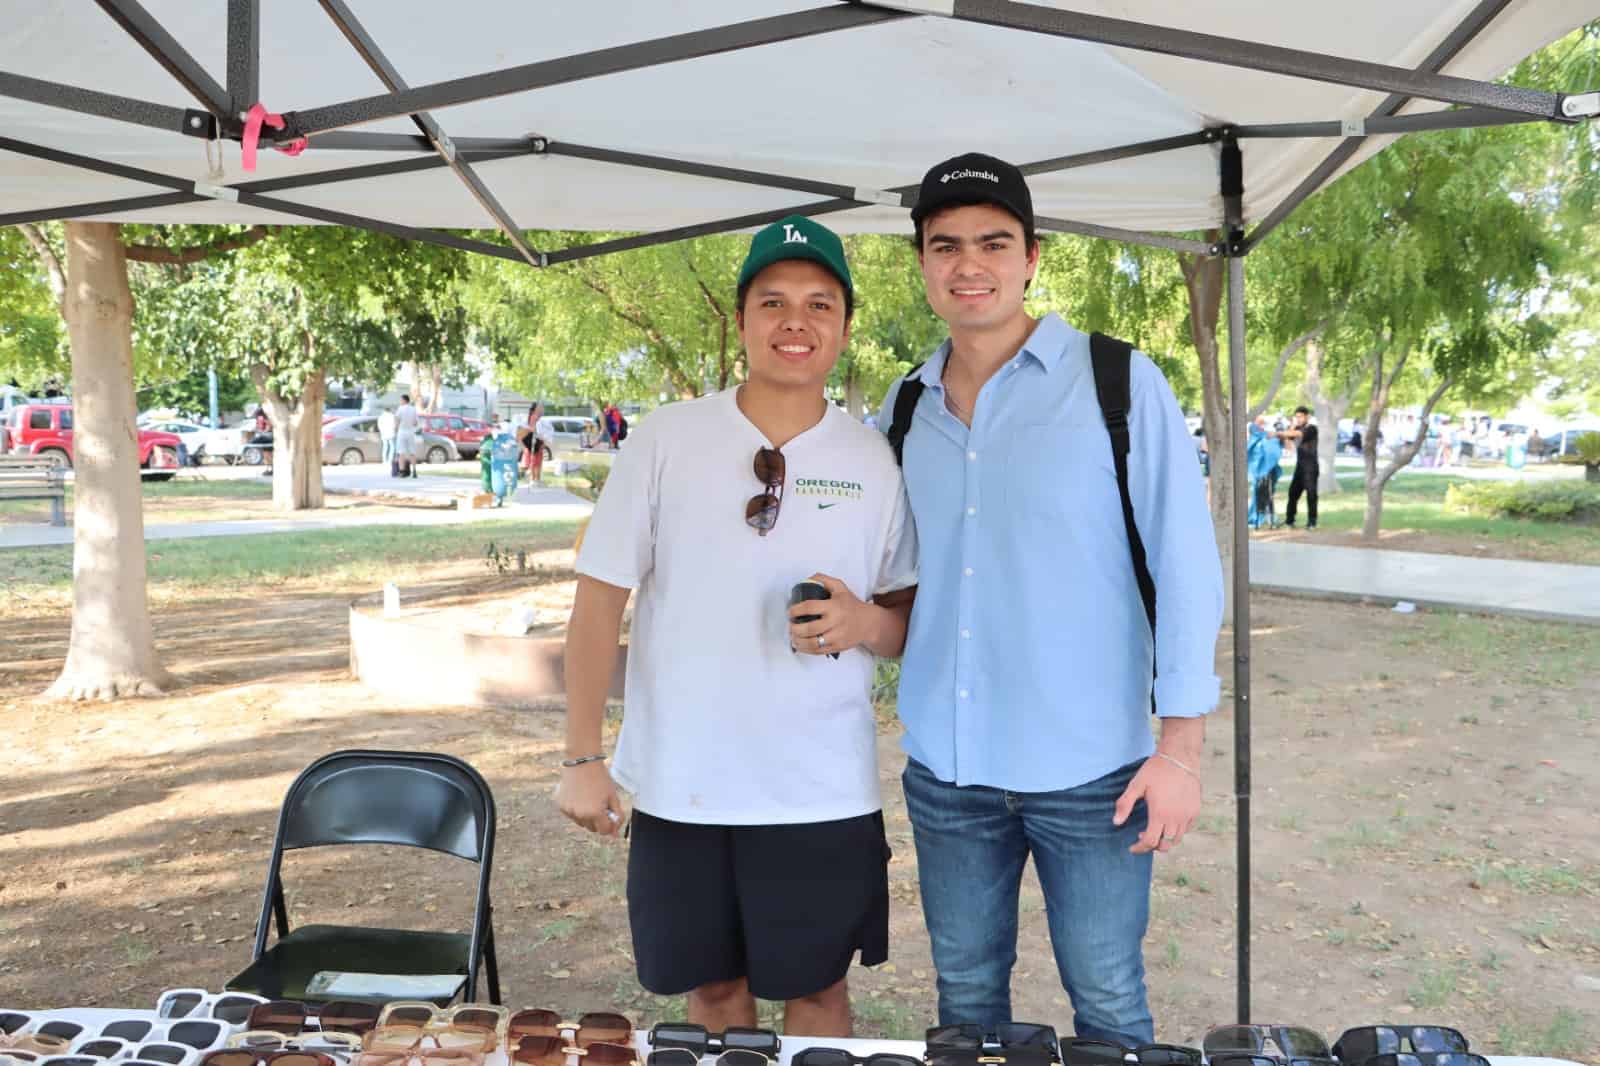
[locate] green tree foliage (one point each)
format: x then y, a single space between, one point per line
663 320
1128 291
33 339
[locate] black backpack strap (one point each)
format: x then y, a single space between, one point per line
1112 360
905 408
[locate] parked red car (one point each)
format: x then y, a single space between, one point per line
44 430
468 433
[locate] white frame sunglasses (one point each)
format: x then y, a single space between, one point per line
206 1004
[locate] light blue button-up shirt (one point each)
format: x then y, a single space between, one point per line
1028 661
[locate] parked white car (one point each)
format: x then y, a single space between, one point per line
201 441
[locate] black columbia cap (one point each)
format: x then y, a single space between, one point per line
974 178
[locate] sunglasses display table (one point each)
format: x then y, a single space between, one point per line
94 1018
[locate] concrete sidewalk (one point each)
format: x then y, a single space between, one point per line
1550 591
531 502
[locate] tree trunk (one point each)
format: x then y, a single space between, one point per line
112 649
1329 408
1204 277
296 440
1372 519
855 396
1591 473
1377 480
435 388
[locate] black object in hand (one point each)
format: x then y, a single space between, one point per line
810 590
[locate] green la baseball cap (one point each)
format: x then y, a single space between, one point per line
797 237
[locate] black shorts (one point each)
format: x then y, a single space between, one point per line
785 906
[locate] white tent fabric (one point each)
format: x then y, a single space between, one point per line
869 107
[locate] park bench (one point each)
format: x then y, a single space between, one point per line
26 478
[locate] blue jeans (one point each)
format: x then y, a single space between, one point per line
972 843
388 449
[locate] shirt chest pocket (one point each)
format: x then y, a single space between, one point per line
1060 470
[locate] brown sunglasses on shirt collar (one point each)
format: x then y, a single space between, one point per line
761 510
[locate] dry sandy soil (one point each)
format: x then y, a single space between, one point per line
1424 829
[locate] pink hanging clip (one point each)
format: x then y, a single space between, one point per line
254 118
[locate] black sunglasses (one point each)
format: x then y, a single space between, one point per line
1292 1042
1427 1058
834 1056
1252 1058
1361 1043
677 1056
971 1035
761 510
696 1038
1083 1051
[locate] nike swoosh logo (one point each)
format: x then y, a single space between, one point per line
825 506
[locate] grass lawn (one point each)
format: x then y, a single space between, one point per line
1416 502
191 499
206 567
179 500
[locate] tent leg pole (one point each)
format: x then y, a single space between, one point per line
1237 404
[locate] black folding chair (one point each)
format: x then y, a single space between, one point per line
414 799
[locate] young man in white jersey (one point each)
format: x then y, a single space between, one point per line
757 864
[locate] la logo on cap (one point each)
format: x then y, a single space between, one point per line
792 235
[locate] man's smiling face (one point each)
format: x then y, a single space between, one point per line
793 324
976 266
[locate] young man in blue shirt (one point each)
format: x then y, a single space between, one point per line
1026 684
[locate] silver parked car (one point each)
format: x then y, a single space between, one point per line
352 440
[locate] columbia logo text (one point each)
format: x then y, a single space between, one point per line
958 175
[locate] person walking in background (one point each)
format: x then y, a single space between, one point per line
1447 445
532 443
405 439
387 427
1261 455
1307 467
613 424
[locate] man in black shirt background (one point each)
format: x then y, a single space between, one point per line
1304 435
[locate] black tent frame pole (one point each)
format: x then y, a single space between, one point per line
1232 186
1466 31
174 199
379 63
586 65
1459 119
1248 55
192 191
244 54
165 49
105 105
349 141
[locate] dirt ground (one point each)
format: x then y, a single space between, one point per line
1423 829
1435 541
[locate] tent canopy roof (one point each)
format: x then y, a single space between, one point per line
868 107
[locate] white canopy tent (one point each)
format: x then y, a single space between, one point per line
1138 120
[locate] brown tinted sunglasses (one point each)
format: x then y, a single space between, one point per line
761 511
553 1051
420 1041
289 1017
541 1038
446 1056
264 1057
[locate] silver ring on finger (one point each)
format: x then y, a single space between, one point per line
822 641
